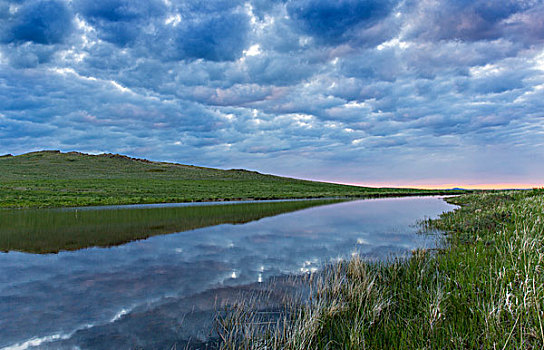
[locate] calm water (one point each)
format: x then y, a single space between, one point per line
162 291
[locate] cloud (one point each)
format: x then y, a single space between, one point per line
120 22
347 91
119 10
335 21
40 22
465 20
29 54
526 26
214 31
220 37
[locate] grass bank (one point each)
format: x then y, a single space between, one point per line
485 290
54 179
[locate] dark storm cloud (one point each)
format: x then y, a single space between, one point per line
40 22
430 89
213 31
220 37
120 22
335 21
119 10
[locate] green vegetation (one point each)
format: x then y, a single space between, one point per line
484 290
53 230
54 179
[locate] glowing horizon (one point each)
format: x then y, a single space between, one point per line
468 186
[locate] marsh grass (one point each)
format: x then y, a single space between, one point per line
485 290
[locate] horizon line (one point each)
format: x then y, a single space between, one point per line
467 186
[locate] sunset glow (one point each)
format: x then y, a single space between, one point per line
469 186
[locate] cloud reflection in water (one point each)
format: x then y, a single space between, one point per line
118 288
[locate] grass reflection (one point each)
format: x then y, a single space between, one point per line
50 230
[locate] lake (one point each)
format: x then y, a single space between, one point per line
161 292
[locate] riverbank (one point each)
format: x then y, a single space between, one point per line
55 179
485 290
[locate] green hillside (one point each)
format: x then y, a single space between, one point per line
55 179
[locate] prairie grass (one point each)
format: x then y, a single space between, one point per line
484 289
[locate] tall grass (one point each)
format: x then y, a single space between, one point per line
484 290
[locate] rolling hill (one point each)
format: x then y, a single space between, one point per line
56 179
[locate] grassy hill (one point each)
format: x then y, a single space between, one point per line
55 179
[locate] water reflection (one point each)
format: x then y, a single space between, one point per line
53 230
161 291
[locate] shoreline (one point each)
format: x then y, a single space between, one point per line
220 201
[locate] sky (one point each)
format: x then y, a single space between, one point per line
383 93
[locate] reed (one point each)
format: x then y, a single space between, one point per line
483 290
